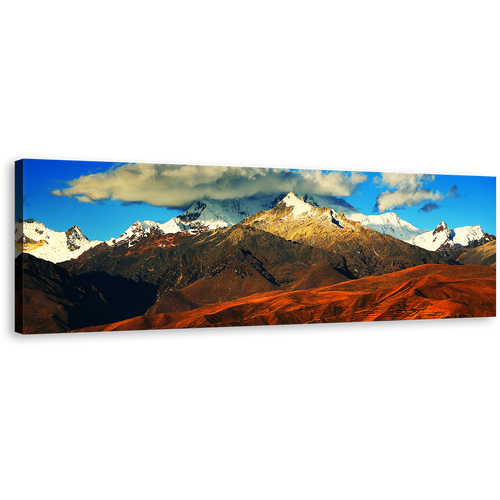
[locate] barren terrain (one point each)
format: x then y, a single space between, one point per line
424 292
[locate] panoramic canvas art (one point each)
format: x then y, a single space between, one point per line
134 246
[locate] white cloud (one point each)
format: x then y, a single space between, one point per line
405 197
177 186
408 192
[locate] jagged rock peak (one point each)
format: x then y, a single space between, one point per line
75 231
442 226
75 238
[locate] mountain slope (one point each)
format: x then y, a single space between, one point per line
239 261
50 299
365 251
141 261
423 292
484 255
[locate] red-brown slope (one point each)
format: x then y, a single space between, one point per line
423 292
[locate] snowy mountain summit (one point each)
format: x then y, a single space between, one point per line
298 206
139 230
389 223
33 237
210 214
136 232
214 214
442 235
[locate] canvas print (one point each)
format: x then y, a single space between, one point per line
135 246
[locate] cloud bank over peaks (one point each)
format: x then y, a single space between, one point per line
178 186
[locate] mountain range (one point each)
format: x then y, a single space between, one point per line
293 246
217 253
204 215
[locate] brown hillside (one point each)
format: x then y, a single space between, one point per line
423 292
49 299
485 255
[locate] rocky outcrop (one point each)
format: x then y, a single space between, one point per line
76 238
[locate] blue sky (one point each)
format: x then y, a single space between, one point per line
104 198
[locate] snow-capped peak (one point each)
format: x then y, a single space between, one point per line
214 214
337 204
464 235
146 224
34 237
136 231
443 235
299 206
